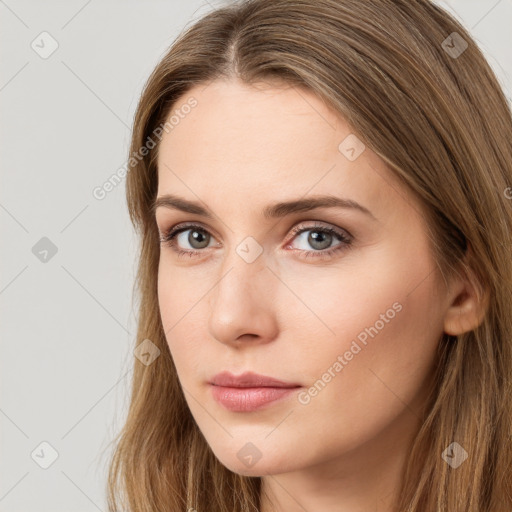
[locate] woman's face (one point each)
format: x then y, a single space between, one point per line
340 301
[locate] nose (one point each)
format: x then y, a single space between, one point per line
242 305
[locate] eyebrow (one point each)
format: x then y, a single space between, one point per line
277 210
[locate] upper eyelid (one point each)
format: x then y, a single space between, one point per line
295 230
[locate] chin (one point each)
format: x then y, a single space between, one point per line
239 463
255 471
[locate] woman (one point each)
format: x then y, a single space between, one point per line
323 200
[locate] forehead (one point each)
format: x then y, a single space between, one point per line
251 143
232 120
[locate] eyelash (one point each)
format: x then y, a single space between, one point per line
169 239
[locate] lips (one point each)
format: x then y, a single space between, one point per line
249 380
249 392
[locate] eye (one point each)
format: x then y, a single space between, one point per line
320 239
196 236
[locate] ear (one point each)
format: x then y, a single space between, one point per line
467 303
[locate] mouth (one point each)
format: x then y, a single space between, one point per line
249 391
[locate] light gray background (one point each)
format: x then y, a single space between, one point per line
67 324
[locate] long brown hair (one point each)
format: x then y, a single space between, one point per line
427 102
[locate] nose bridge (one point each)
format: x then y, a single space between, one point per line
240 302
243 268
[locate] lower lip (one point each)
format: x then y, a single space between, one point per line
248 399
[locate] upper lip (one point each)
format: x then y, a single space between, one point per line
249 380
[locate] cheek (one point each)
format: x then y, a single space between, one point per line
376 381
179 293
179 314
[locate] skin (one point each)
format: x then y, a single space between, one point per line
290 317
